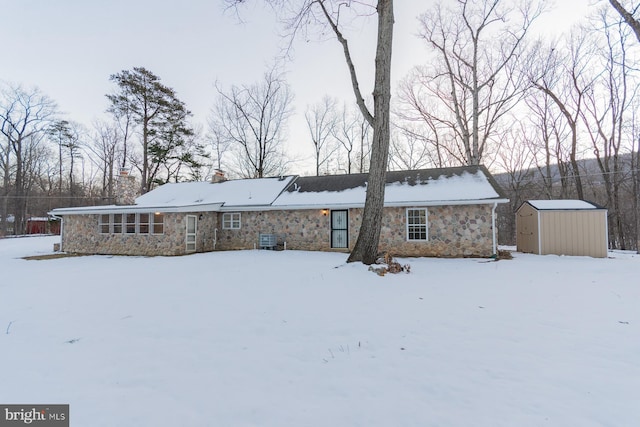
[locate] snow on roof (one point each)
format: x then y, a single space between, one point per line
194 196
561 204
241 192
462 187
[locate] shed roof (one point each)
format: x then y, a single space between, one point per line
543 205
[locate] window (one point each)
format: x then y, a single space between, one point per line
231 221
117 223
130 224
143 223
158 223
103 223
417 224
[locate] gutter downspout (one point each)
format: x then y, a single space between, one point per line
61 230
493 229
215 238
539 234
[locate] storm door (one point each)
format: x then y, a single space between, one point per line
192 228
339 229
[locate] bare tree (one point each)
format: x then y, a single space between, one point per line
322 121
635 174
518 177
6 166
607 104
219 144
409 149
24 117
326 14
548 131
106 148
628 16
352 132
423 116
477 45
252 118
565 78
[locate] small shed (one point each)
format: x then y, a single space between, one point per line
43 226
562 227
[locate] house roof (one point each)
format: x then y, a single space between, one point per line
461 185
197 197
233 193
543 205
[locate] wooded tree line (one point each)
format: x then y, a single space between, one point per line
490 91
50 162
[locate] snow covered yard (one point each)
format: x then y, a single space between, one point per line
260 338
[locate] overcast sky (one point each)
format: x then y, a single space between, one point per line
69 48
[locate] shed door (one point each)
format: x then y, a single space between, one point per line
527 230
339 229
192 228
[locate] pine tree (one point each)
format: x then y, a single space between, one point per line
161 116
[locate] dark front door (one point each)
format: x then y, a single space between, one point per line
339 229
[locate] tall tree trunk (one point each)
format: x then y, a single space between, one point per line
574 162
6 183
366 247
636 196
145 156
20 202
627 16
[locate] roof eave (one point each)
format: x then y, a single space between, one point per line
209 207
398 204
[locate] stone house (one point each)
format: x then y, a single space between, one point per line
448 212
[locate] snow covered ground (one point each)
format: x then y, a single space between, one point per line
260 338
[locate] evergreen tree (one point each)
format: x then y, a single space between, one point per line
162 121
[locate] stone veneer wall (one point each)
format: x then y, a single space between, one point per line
306 229
81 235
453 231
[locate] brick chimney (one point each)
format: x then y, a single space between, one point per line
126 188
218 176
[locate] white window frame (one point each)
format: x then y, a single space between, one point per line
153 223
231 221
425 225
142 226
108 224
128 226
115 224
